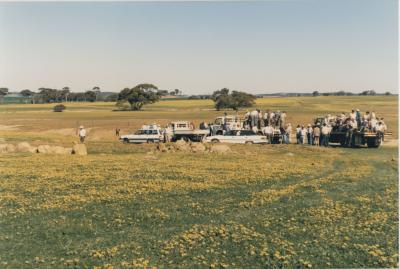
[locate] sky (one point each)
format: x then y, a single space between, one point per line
199 47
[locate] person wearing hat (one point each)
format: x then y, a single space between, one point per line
309 134
303 134
316 134
298 134
82 134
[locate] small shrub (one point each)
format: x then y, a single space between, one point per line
59 108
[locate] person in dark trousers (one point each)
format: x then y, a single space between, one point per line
358 117
309 134
82 134
325 135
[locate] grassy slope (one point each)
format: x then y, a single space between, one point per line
260 206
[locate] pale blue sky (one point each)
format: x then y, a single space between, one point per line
200 47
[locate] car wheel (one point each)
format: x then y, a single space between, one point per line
150 141
214 140
249 142
125 141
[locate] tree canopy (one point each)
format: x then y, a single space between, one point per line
27 93
235 100
3 91
139 95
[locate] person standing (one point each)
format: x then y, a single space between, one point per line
325 135
254 118
316 135
117 131
343 116
366 116
266 118
309 134
353 115
303 134
282 118
269 131
358 117
82 134
271 120
288 132
373 116
298 134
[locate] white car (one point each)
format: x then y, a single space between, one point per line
147 134
238 137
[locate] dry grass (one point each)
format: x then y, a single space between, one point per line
121 207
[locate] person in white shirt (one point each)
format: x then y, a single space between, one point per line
282 119
380 130
309 134
343 116
353 115
254 116
168 134
353 124
373 116
325 135
373 123
303 134
268 131
366 116
82 134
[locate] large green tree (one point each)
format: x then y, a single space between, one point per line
139 95
235 100
27 93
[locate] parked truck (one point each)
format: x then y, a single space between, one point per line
345 136
186 130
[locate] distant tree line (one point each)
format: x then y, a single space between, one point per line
344 93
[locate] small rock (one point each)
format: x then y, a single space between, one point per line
219 148
44 149
25 147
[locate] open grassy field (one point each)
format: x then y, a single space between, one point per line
263 206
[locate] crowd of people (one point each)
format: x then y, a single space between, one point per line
273 122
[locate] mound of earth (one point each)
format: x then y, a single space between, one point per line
192 147
7 148
79 149
25 147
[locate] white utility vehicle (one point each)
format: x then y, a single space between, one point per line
147 134
238 137
186 130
